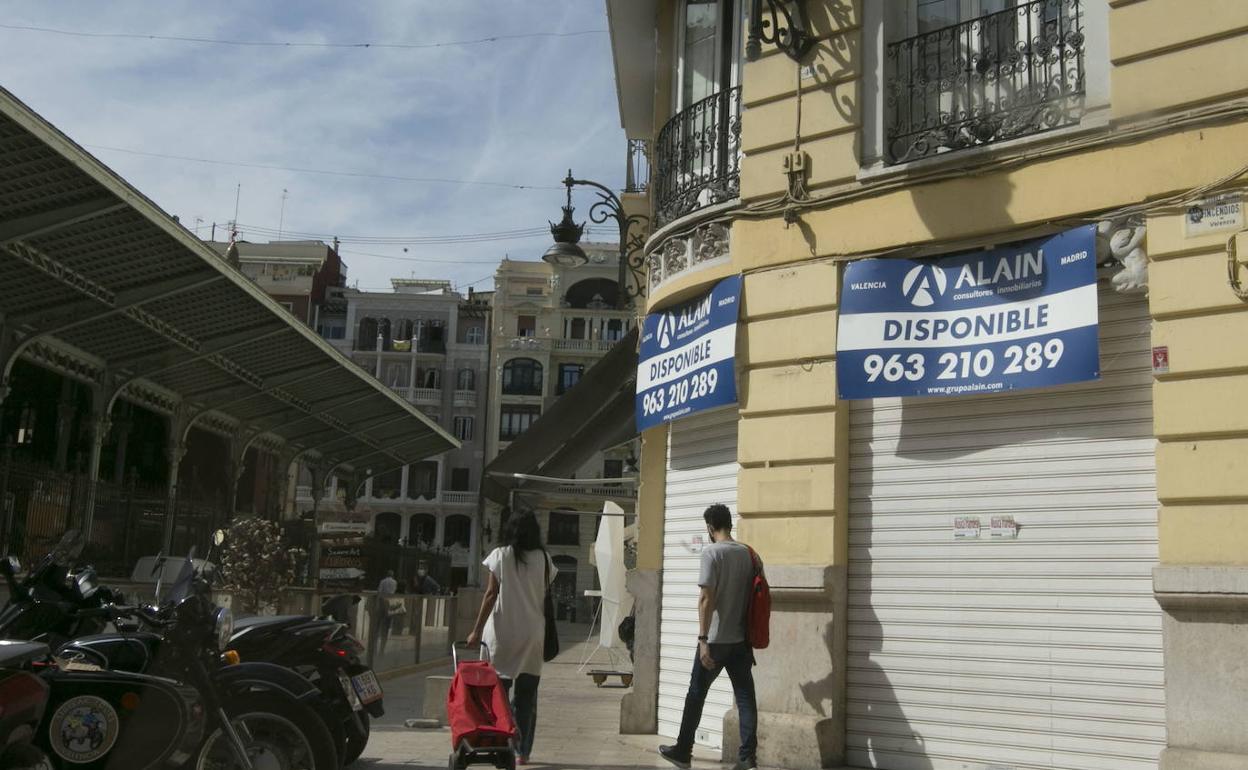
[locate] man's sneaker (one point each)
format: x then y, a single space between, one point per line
673 755
744 764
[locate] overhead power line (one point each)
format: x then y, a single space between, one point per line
411 240
354 253
322 171
294 43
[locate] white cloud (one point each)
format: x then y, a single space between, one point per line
517 111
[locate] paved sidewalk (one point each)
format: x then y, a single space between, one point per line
577 723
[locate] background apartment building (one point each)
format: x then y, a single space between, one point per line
428 343
295 273
550 325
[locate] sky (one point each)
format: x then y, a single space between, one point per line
516 111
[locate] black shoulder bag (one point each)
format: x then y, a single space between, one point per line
551 647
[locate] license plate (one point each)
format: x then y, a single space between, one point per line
367 687
348 690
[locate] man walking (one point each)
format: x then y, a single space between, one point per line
726 578
386 590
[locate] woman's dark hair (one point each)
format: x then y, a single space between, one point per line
522 533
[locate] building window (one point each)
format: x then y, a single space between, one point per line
569 375
476 335
564 529
458 532
466 380
421 529
515 419
431 378
422 481
290 306
964 73
697 154
526 326
522 377
463 428
612 469
578 329
615 330
460 478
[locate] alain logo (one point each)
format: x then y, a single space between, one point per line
921 282
667 328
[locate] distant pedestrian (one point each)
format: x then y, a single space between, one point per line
726 579
512 619
387 608
424 583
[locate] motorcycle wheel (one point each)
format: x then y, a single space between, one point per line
24 757
284 735
355 746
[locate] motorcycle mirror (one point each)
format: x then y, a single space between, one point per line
218 537
85 582
10 565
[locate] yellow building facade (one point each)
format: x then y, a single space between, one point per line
1107 630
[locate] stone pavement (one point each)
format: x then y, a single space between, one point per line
577 723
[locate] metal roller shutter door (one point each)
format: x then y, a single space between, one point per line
701 470
1039 652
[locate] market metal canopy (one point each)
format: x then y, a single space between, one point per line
103 286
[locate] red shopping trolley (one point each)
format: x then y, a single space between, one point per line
483 730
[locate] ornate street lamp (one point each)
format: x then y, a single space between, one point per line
567 252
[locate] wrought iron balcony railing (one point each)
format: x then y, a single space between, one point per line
697 160
638 169
1000 76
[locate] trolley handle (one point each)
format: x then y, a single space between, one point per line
483 652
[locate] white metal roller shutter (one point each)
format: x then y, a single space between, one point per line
701 470
1039 652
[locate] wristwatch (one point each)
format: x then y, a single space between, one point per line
702 638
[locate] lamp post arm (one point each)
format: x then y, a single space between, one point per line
610 206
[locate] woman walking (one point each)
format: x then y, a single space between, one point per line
512 618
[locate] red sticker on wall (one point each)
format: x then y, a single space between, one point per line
1161 359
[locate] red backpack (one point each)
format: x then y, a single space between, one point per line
758 615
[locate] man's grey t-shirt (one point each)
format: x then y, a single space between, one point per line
727 568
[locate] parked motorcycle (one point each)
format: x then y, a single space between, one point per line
322 650
259 714
58 715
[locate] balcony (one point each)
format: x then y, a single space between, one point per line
697 158
618 491
584 346
466 398
426 396
997 77
460 498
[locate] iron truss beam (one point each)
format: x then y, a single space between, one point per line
46 222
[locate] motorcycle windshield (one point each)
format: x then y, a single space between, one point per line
182 585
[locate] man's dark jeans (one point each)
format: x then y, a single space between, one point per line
738 658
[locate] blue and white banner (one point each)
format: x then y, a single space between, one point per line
687 357
1019 316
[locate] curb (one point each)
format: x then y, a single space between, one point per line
415 668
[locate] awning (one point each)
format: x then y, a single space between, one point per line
593 415
104 287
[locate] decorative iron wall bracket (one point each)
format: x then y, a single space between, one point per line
632 237
785 28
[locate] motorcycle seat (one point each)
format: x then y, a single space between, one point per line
14 654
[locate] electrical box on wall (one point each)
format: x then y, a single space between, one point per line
795 162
